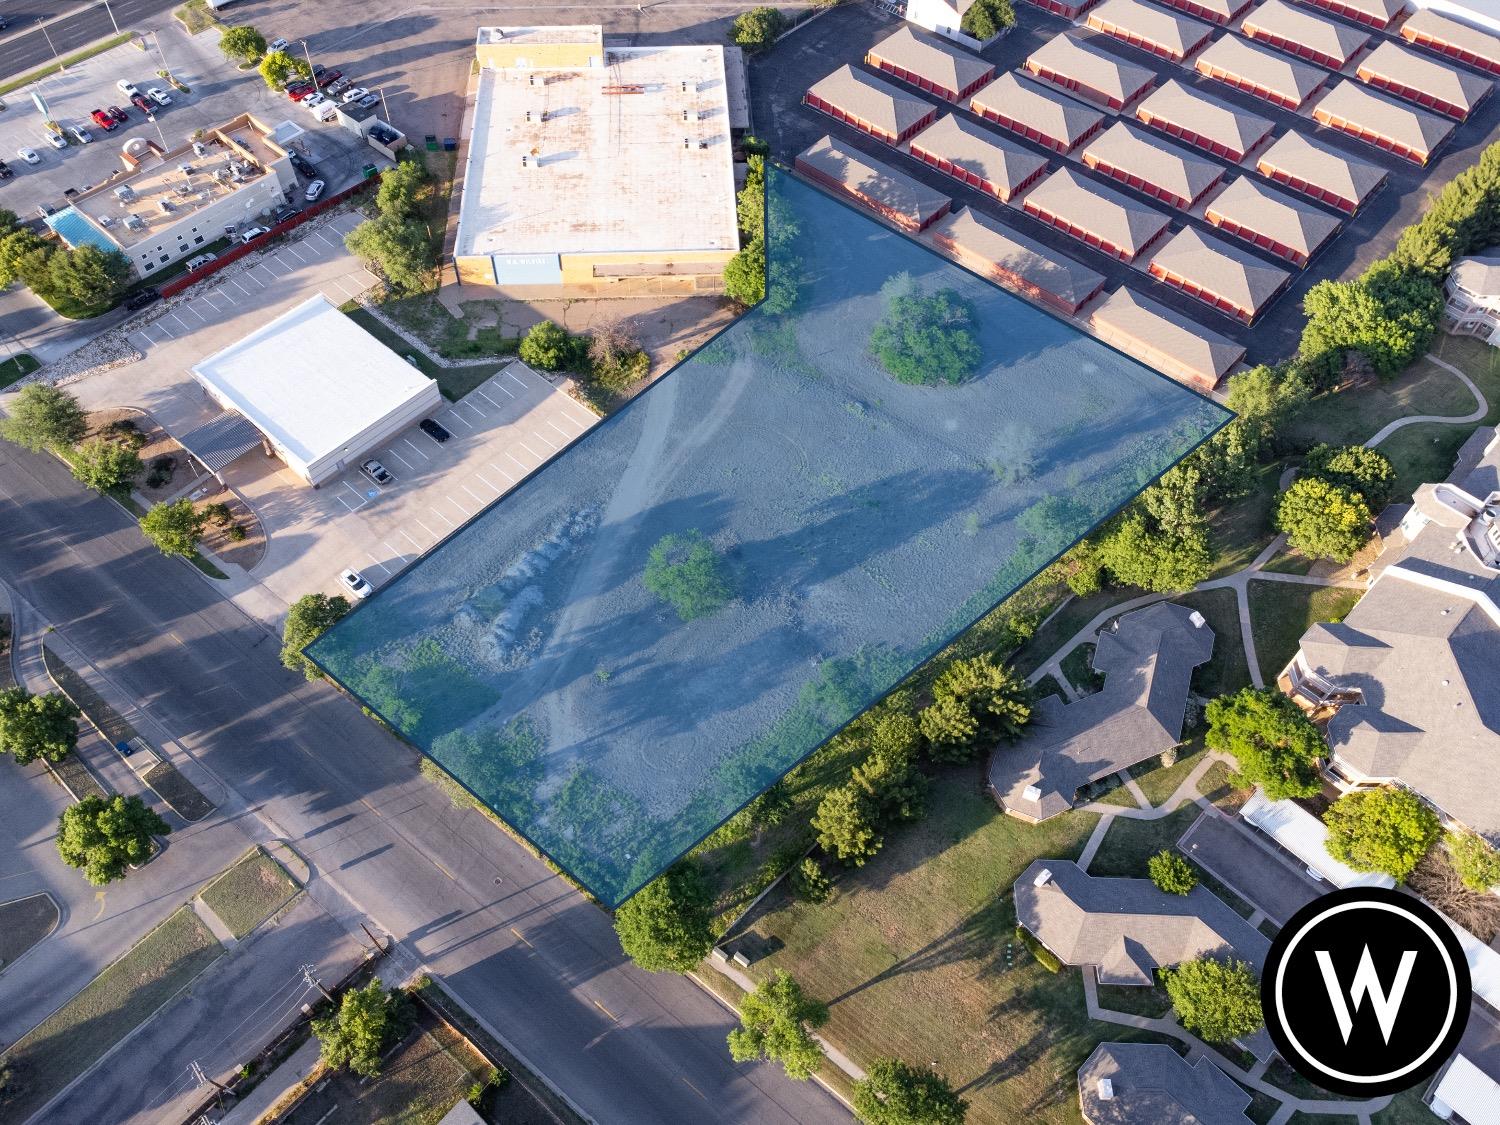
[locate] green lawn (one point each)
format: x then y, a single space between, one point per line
1159 782
1153 1002
195 16
208 568
17 367
1423 453
1129 843
1047 685
23 923
1354 417
1071 618
249 892
1280 612
110 1006
454 382
1217 786
1406 1108
1227 670
1242 527
1078 666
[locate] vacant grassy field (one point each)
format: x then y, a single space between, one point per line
249 892
23 923
1280 612
111 1005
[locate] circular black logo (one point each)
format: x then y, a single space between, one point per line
1366 992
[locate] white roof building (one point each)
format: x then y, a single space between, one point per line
1305 836
1466 1091
320 389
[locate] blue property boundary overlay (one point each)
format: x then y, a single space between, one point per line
587 816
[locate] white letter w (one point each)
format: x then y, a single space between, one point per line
1367 983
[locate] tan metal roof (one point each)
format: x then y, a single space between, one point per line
1434 25
1049 113
1313 162
938 60
1092 66
980 150
1159 334
1108 214
873 100
890 187
1250 204
1137 153
1262 67
1221 269
1289 21
1449 84
987 237
1179 34
1413 129
1381 11
1208 117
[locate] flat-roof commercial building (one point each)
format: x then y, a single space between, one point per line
1412 134
1037 113
929 63
1319 172
1271 220
872 105
1178 347
1203 121
1451 91
1256 70
1313 37
1371 13
1155 167
977 156
321 390
587 180
1108 220
991 249
1215 11
167 205
1434 31
1224 276
905 200
1089 71
1142 25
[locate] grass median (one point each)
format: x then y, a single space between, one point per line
249 892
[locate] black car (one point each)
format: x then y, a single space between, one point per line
6 172
283 213
143 298
433 430
303 165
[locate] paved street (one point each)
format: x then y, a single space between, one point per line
27 47
517 944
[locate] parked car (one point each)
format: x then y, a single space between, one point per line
140 103
433 430
355 583
5 171
353 95
141 299
250 234
118 114
367 101
200 261
56 140
103 119
314 190
303 165
338 87
30 155
80 134
283 213
128 88
318 70
377 472
4 23
313 101
328 77
277 44
297 93
159 96
45 209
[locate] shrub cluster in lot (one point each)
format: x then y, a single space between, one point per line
395 241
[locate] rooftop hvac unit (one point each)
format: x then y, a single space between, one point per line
125 193
702 144
1043 877
166 206
106 221
135 222
1106 1089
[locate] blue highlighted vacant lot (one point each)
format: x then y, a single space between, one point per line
675 611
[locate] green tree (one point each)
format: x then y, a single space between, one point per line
356 1033
1171 873
667 926
243 42
547 346
175 528
1274 744
16 247
985 19
279 67
1477 864
401 190
686 572
809 881
1137 553
895 1093
1356 468
754 31
43 416
774 1024
1387 314
310 616
37 726
89 275
1218 1000
399 249
105 837
745 273
924 340
847 825
974 700
1384 829
891 781
103 465
1323 520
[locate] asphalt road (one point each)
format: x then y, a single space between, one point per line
27 50
536 960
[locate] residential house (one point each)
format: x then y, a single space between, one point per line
1151 1084
1472 290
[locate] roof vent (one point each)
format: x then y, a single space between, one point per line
1106 1089
1031 793
1044 876
1197 619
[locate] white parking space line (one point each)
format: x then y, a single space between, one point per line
180 322
432 439
225 297
546 441
378 563
346 504
486 480
410 540
529 450
453 416
470 406
317 236
480 392
292 250
503 387
518 461
444 518
386 543
509 479
559 429
424 527
398 457
415 450
472 493
462 510
240 287
355 493
519 382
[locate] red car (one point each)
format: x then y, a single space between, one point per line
329 77
299 91
140 103
119 115
104 121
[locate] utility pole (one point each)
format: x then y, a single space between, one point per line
385 109
42 20
204 1080
379 946
314 982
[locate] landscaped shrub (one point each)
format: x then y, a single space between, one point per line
217 513
1044 956
236 534
809 882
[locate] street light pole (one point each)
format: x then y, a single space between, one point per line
112 19
43 22
308 55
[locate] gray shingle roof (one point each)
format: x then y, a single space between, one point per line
873 179
1160 163
987 237
1250 204
1261 67
1050 113
1151 1084
1220 269
874 100
1478 274
1178 104
1328 37
1431 24
981 150
1148 663
937 60
1093 66
1413 129
1448 83
1164 338
1109 214
1313 162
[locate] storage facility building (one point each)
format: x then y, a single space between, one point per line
1203 121
872 105
1228 278
1215 11
1142 25
1271 220
991 249
1412 134
1090 71
930 63
1155 167
1068 9
1108 220
1260 71
1037 113
1371 13
1313 37
1448 89
1319 172
1447 36
1178 347
905 200
979 157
